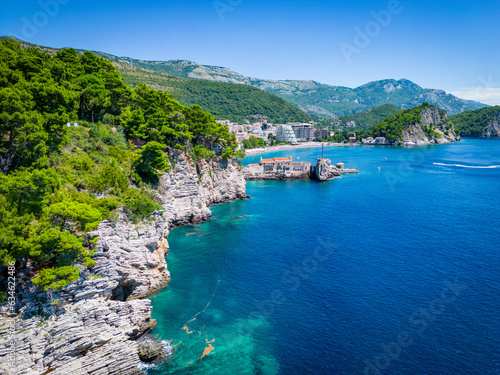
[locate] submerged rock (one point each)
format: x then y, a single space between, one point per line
150 351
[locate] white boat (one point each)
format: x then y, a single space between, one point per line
410 143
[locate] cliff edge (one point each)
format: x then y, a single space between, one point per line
433 128
422 125
90 327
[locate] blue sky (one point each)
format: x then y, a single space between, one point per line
451 45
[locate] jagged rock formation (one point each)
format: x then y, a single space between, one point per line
324 170
433 117
150 351
89 328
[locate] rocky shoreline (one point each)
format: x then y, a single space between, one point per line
92 326
437 120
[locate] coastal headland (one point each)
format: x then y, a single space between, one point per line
93 325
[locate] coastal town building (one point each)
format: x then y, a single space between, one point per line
304 132
368 140
374 141
279 167
350 124
285 169
323 133
285 133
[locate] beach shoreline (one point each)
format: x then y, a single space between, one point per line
255 151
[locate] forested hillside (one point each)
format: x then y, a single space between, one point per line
474 123
235 102
371 117
318 99
392 128
58 182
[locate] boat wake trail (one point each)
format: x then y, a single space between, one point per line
469 166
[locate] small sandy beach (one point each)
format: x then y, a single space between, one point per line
255 151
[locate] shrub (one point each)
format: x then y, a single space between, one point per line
139 204
199 152
81 163
108 176
151 161
56 278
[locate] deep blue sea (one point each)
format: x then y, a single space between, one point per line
395 270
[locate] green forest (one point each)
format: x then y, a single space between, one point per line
371 117
226 101
392 128
58 181
472 123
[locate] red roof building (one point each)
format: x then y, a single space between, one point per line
274 160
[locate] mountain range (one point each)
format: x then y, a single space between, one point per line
318 99
231 100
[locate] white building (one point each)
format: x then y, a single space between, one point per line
285 133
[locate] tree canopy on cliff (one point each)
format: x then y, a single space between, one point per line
473 123
58 182
392 128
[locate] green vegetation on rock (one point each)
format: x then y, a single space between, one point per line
392 128
473 123
59 182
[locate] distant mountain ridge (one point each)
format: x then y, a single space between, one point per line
315 98
226 101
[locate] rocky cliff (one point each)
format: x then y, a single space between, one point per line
434 127
324 170
492 130
91 326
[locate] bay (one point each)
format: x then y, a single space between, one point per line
334 277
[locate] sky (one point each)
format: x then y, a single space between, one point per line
440 44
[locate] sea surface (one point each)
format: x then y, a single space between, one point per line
395 270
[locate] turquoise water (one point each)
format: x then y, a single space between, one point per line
392 271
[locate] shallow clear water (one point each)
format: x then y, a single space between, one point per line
392 271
